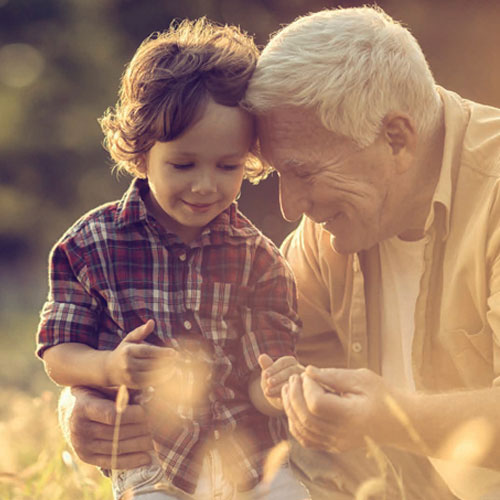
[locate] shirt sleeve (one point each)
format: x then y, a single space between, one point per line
493 310
321 295
272 322
70 313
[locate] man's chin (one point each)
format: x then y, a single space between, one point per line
344 246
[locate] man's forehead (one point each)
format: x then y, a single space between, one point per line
292 134
287 120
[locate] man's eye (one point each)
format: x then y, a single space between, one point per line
301 174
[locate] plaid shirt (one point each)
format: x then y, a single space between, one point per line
229 290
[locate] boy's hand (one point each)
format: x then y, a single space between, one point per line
275 375
136 363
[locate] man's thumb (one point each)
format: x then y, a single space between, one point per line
330 378
141 332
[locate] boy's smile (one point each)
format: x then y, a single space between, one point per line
196 176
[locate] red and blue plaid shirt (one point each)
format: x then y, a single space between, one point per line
116 267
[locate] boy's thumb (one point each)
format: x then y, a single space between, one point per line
141 332
265 361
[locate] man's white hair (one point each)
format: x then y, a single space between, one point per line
352 67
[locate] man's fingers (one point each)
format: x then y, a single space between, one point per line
340 380
136 444
320 401
131 460
97 431
316 424
304 435
128 461
133 414
141 332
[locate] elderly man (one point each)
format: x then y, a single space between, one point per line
397 259
397 262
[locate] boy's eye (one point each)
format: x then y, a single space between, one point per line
229 167
182 166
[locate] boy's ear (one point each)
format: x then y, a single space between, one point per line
142 165
401 135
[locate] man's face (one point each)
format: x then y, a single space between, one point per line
326 177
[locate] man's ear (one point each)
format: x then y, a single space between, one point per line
401 136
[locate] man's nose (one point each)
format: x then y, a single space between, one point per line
293 199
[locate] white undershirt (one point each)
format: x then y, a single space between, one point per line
402 265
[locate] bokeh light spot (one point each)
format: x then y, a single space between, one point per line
20 65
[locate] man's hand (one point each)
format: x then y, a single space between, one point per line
334 409
135 363
87 418
275 375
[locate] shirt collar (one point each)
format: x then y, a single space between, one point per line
131 208
456 118
228 224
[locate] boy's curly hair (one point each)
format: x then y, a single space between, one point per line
166 84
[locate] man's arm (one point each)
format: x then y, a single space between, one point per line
335 409
87 418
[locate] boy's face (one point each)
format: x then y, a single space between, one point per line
196 176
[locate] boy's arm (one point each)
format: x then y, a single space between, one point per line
259 400
72 364
133 362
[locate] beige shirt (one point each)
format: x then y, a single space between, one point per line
457 319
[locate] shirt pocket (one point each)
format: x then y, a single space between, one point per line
472 355
224 310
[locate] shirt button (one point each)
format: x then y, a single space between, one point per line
357 346
187 325
216 434
182 257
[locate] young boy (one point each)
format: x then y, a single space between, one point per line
171 291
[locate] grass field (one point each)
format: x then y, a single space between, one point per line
35 462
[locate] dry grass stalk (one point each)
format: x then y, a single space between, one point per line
121 403
276 457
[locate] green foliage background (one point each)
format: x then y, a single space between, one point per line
60 64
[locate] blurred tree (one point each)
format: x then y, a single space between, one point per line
60 64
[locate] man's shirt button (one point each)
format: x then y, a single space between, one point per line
357 346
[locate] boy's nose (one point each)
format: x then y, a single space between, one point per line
204 183
293 199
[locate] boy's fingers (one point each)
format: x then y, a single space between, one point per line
141 332
146 351
273 392
284 363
